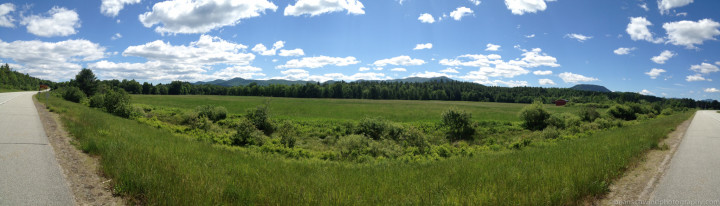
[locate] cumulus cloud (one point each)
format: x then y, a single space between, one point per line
59 22
262 50
116 36
646 92
317 7
696 77
568 77
704 68
426 18
664 56
112 7
300 74
492 47
317 62
644 6
423 46
55 61
460 12
623 50
291 53
638 30
691 33
520 7
535 58
207 50
493 66
189 17
429 74
5 19
399 61
399 70
475 2
665 5
712 90
578 37
449 70
654 73
546 82
540 72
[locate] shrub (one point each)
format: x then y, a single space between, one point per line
385 148
353 146
457 125
415 138
563 120
288 133
73 94
588 114
374 128
622 112
534 116
247 134
212 112
667 111
97 100
260 119
550 132
118 102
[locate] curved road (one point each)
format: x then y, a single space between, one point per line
693 176
29 173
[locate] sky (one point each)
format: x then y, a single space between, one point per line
666 48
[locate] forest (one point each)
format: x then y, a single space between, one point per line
14 80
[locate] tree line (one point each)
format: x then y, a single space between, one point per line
10 79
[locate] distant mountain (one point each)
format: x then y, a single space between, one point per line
245 82
590 87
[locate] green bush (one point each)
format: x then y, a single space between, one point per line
588 114
212 112
247 134
97 100
534 116
353 146
118 102
668 111
374 128
259 117
385 148
563 120
457 125
73 94
413 137
288 134
622 112
550 132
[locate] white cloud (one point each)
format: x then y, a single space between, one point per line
665 5
696 77
704 68
429 74
654 73
5 19
535 58
245 72
646 92
399 70
116 36
568 77
690 33
546 82
363 69
423 46
475 2
664 56
717 63
300 74
449 70
712 90
208 50
189 17
578 37
113 7
262 50
644 6
317 7
460 12
317 62
399 60
540 72
520 7
492 47
638 30
472 60
60 22
57 61
530 36
426 18
291 53
493 66
681 14
623 50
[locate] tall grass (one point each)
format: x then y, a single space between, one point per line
2 90
347 109
160 168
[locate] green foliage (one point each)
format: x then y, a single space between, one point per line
374 128
86 81
214 113
288 134
563 120
73 94
247 134
588 114
97 100
353 146
13 81
413 137
118 102
622 112
534 116
260 118
550 132
668 111
457 125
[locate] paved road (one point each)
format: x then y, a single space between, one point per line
693 176
29 173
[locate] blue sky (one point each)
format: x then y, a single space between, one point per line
663 48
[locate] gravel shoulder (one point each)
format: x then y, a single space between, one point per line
82 171
638 182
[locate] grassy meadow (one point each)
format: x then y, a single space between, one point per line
156 166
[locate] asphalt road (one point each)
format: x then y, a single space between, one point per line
29 173
693 176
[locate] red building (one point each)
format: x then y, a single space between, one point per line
561 102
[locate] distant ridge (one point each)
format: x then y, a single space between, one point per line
244 82
590 87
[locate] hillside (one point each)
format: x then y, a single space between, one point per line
590 87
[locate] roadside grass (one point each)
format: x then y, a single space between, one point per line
3 90
346 109
155 167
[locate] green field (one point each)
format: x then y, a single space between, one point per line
159 167
346 109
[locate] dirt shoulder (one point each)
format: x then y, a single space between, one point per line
81 171
638 182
